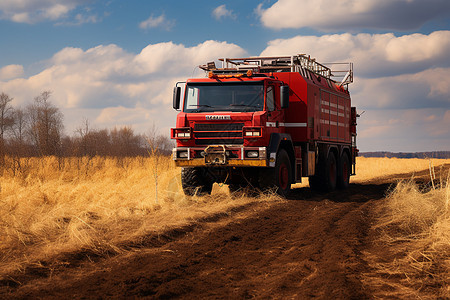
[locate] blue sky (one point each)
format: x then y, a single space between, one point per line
115 62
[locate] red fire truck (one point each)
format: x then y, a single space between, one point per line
266 122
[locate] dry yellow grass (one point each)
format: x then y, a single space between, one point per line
100 204
52 206
368 168
415 224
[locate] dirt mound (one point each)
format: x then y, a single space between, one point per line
309 246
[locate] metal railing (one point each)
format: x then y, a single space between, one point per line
341 72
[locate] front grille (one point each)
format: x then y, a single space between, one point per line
222 134
219 141
218 133
219 127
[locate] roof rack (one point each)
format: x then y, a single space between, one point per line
341 73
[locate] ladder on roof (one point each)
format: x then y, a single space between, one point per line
341 73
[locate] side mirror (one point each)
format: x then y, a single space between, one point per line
176 97
284 96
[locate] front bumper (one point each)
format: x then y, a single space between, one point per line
220 156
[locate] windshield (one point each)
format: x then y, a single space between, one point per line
208 97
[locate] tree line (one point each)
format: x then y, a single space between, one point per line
430 154
38 130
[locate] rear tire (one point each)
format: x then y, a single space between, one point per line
331 173
325 179
195 181
344 172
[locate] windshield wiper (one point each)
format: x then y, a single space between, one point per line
245 105
232 104
200 105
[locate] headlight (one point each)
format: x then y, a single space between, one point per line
184 135
252 133
252 154
183 154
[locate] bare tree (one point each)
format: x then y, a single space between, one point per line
6 114
45 124
83 144
19 125
6 121
124 142
18 145
159 145
158 142
99 142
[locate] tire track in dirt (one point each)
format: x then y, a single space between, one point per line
308 246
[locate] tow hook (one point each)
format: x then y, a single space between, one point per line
215 155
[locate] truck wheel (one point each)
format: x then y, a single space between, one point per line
283 173
344 172
326 176
278 178
195 182
330 174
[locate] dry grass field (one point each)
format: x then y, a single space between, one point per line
101 206
98 204
414 223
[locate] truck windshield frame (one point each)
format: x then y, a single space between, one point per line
221 96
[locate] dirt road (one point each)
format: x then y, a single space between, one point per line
309 246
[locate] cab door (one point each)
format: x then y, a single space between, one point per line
275 114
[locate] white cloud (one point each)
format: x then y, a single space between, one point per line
11 72
33 11
426 89
114 87
122 116
332 15
221 12
56 11
404 130
153 22
374 55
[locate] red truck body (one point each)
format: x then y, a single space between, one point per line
265 122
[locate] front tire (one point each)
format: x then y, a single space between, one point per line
280 177
195 181
283 173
